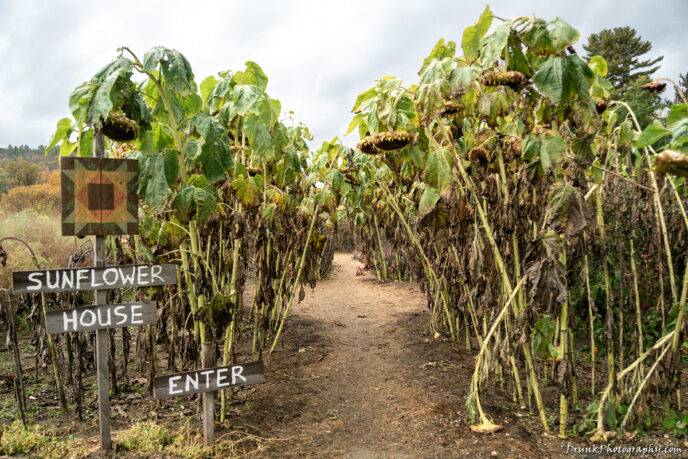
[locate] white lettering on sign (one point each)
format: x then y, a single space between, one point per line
237 372
80 274
110 276
222 380
127 276
87 318
94 278
107 320
69 322
173 384
208 380
105 316
94 282
191 380
136 314
142 274
34 278
206 373
156 270
68 280
122 316
52 283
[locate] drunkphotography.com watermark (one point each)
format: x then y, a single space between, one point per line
627 450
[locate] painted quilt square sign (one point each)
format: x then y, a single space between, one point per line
99 196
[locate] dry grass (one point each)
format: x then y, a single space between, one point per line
142 439
31 213
15 439
42 232
145 438
36 441
43 197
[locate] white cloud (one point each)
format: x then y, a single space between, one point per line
318 55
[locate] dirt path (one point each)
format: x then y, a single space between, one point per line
359 376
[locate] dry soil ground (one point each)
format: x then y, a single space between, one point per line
359 375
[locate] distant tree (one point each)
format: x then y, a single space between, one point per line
22 172
683 86
623 49
34 155
5 181
646 105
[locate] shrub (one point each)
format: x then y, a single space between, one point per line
145 437
43 197
22 172
42 232
17 439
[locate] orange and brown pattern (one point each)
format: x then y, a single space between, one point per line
99 196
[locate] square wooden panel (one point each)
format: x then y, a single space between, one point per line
99 196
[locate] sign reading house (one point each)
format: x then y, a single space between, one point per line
208 380
99 317
103 278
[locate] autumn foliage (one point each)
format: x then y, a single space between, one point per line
43 196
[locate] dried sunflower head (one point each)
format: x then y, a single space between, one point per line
352 179
465 209
672 162
514 146
366 145
511 78
254 170
391 140
456 131
600 106
119 127
655 87
451 107
479 154
539 129
456 93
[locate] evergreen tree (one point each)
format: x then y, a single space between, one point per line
623 49
645 104
683 86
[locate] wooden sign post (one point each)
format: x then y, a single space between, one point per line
207 381
207 361
99 317
98 198
102 336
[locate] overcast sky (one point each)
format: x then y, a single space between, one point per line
318 54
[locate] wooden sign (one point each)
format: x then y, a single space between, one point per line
98 278
100 317
99 196
208 380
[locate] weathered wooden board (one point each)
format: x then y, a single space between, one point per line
99 196
100 317
208 380
207 361
103 278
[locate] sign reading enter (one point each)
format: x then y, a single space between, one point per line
208 380
99 317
